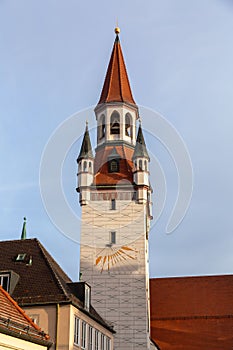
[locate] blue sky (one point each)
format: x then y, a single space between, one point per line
179 55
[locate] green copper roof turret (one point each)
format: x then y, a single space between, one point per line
86 149
24 234
140 150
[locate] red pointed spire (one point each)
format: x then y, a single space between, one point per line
116 85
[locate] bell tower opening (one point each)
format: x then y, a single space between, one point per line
115 123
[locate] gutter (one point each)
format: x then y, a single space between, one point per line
57 324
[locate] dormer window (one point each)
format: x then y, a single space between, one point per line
87 297
5 281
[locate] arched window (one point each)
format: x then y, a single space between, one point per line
140 164
135 164
128 125
115 124
145 165
85 166
101 127
114 166
90 166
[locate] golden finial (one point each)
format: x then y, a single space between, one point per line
117 29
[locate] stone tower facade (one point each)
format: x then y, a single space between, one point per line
114 194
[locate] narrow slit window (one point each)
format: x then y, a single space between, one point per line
85 166
140 164
113 204
113 237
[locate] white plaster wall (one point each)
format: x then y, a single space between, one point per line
120 286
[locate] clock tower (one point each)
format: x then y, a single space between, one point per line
114 194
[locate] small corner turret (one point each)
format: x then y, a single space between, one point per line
141 161
85 174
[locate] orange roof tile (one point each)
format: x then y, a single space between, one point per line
192 313
116 86
102 175
18 321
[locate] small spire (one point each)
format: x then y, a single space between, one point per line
116 86
86 149
140 148
24 234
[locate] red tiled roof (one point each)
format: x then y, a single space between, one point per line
192 313
14 319
102 175
116 86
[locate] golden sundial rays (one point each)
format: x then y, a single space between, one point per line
109 257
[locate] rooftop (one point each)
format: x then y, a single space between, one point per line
14 321
36 262
116 86
192 313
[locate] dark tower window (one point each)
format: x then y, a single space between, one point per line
85 166
140 164
115 124
113 204
113 166
113 237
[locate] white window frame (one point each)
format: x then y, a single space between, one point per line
87 297
5 276
102 341
76 330
96 339
108 343
84 335
90 338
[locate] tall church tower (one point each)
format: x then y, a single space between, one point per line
114 193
